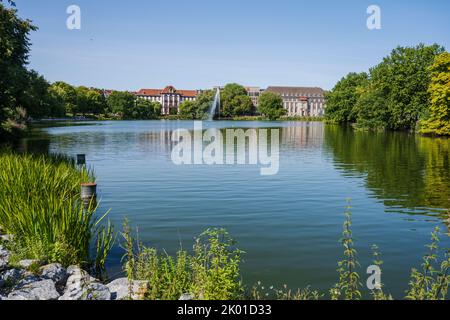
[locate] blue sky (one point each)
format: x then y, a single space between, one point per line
128 45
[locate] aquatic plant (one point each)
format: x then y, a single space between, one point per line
210 272
40 205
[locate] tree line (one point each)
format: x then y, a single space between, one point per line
408 90
234 102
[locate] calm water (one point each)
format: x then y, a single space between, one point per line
288 224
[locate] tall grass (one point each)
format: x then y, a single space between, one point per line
40 205
210 272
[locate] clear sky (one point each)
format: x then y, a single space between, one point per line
128 45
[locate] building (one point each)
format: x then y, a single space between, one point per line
169 97
301 101
254 93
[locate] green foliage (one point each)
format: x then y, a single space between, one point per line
143 110
120 102
235 101
211 272
40 205
14 49
271 106
431 283
260 292
65 95
349 284
198 109
393 96
438 122
341 101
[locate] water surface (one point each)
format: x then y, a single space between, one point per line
289 224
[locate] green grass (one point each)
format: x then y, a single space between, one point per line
210 272
40 205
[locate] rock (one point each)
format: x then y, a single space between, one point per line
25 264
39 290
4 259
120 289
81 286
54 272
186 296
11 277
3 297
6 237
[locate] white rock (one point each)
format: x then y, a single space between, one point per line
11 277
6 237
4 259
54 272
39 290
81 286
25 264
120 289
186 296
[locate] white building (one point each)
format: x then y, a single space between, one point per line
301 101
169 97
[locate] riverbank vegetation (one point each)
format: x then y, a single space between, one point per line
212 272
40 206
408 90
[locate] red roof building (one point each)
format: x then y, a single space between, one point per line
169 97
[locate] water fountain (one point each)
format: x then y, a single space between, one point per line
215 106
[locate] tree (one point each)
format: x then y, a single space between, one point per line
235 101
64 94
341 101
402 82
14 49
37 98
438 121
143 110
271 106
120 102
197 109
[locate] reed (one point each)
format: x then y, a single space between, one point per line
40 205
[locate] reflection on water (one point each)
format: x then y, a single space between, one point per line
289 224
404 170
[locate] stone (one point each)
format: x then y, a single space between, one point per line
6 237
120 289
39 290
4 259
186 296
81 286
25 264
54 272
11 277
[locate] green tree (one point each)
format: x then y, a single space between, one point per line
197 109
143 110
438 122
14 49
402 82
64 94
120 102
271 106
235 101
341 101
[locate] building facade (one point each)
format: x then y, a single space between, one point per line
301 101
169 97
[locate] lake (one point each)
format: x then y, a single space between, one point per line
289 224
